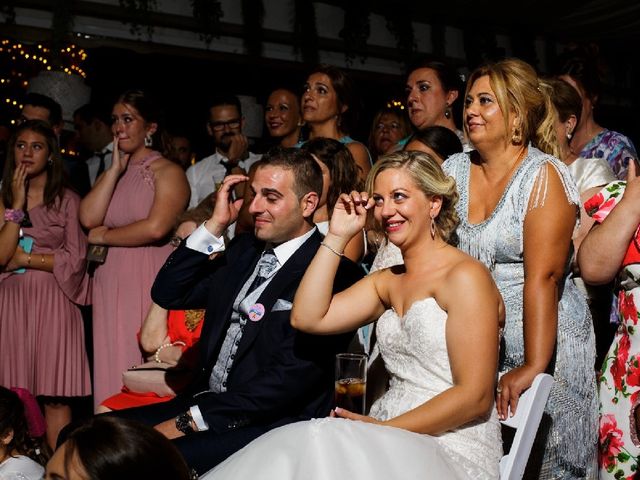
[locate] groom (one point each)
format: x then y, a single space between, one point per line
257 372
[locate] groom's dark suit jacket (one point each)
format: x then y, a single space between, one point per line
279 375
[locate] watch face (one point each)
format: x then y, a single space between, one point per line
183 423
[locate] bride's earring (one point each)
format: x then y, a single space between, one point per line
433 228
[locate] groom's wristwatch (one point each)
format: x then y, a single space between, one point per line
183 423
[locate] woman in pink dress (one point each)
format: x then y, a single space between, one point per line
131 210
42 277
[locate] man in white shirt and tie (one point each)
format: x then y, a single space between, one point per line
232 155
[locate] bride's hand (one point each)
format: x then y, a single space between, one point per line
350 214
510 387
342 413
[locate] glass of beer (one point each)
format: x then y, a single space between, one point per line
351 382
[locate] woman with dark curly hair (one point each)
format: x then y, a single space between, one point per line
21 457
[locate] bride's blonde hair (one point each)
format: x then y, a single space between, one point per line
426 173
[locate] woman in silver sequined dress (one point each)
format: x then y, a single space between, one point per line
518 208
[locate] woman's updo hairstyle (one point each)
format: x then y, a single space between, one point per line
148 109
520 93
565 98
430 179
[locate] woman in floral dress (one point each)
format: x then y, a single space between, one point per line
612 250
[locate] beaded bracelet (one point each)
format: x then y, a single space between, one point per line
14 215
156 356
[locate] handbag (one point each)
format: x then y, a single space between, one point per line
163 379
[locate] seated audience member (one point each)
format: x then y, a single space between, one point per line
107 448
389 126
339 175
329 110
232 155
21 455
257 372
441 399
580 69
283 117
166 337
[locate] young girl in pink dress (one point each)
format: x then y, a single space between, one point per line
42 277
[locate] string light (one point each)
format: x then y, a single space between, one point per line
21 62
395 104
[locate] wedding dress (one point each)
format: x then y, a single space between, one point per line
414 350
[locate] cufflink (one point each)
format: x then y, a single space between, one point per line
210 248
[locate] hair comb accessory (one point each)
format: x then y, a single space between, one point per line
35 420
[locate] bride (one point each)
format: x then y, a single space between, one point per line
438 320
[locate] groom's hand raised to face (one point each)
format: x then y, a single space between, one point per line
226 208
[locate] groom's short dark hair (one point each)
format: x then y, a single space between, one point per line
306 171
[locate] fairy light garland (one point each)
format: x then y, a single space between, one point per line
395 104
20 62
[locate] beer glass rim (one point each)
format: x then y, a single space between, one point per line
352 356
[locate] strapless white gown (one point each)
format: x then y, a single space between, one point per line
415 354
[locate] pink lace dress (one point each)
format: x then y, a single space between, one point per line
41 330
122 285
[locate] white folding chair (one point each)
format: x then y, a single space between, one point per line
526 422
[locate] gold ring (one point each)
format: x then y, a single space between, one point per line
498 389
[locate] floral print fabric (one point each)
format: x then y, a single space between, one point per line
619 379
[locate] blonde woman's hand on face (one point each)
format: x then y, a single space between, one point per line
350 214
19 187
